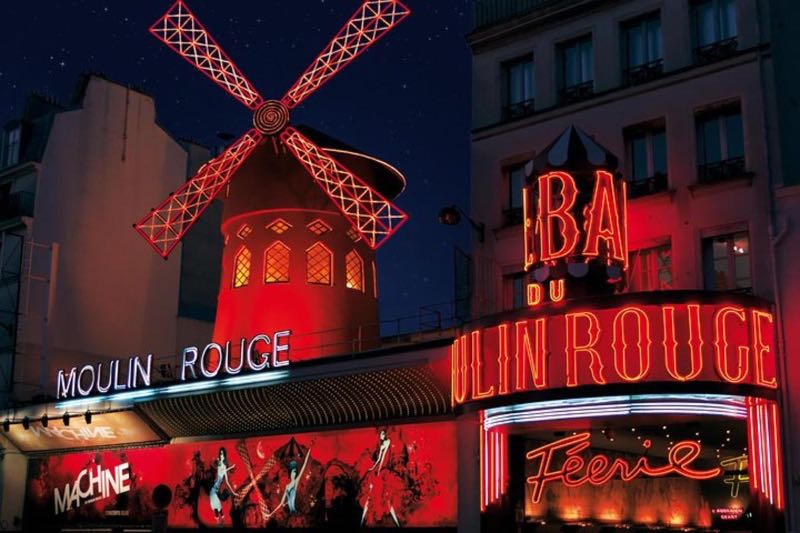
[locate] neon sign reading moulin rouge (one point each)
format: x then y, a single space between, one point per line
677 342
576 470
262 352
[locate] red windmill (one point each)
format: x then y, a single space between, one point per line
373 216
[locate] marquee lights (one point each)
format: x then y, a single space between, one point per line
576 471
626 344
602 407
495 423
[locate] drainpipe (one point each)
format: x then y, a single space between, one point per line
777 232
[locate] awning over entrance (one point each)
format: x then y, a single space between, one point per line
373 396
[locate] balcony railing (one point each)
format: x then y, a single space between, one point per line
488 12
18 204
651 185
576 93
721 170
644 73
716 51
519 109
512 217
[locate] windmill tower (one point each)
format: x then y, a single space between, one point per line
299 253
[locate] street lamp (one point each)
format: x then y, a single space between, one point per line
451 216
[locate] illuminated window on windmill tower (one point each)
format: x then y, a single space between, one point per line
276 261
354 270
241 270
319 265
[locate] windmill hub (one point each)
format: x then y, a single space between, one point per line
271 117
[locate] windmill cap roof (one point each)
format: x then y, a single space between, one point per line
388 180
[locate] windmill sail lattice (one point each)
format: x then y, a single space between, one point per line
368 25
373 216
181 30
369 212
166 224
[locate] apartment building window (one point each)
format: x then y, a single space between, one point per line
714 29
642 48
577 69
520 83
650 269
720 144
514 287
11 147
515 177
726 262
646 147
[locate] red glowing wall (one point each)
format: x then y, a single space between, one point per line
340 474
291 261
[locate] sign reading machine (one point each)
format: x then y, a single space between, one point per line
631 342
262 352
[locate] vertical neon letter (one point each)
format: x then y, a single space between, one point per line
573 348
548 214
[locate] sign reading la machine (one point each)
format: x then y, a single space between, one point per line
262 352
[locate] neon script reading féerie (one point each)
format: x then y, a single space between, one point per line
577 470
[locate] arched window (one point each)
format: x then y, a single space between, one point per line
319 265
276 263
354 271
241 268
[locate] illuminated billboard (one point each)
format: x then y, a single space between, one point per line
383 476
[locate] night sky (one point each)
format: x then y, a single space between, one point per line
405 100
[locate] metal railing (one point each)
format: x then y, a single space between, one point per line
488 12
716 51
644 73
721 170
517 110
651 185
578 92
431 322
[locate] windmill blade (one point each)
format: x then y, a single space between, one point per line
368 24
181 30
167 223
370 213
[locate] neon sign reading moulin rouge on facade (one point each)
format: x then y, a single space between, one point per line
576 470
260 353
645 342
